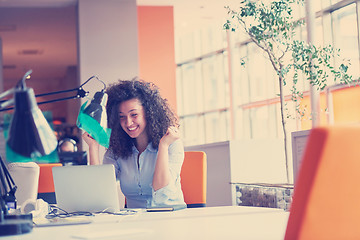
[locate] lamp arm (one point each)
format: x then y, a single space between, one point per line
96 79
79 94
5 185
57 100
9 102
5 104
9 179
7 92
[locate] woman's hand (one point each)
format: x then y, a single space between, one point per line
91 142
161 176
93 149
171 135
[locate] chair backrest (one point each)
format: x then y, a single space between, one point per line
46 189
26 178
194 178
326 196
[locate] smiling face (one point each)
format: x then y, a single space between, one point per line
132 118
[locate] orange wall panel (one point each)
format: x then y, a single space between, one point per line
157 49
347 105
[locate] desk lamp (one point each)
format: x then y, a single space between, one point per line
95 127
93 119
30 136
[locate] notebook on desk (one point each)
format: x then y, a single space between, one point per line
88 188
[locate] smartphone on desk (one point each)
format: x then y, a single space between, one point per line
160 209
165 208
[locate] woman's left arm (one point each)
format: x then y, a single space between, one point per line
162 172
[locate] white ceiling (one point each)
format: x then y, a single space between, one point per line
30 42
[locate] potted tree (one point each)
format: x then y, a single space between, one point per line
272 27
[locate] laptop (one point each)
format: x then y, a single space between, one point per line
87 188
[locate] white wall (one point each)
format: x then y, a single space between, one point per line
258 161
218 173
108 42
241 161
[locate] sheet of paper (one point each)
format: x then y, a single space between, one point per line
44 222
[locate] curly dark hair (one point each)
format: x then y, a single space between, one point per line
158 114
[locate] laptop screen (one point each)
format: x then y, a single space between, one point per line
89 188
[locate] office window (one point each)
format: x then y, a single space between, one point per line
216 126
215 82
318 33
205 82
335 1
346 35
260 122
325 3
179 91
193 129
192 89
241 76
188 47
212 39
261 75
317 5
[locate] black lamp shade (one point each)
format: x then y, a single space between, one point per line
93 120
96 108
30 134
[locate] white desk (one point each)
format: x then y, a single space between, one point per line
231 222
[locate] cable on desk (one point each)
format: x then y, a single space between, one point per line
61 213
122 212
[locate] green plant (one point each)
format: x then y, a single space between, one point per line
272 27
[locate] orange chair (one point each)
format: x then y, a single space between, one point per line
326 198
193 179
46 190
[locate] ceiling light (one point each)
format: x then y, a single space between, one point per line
31 52
12 66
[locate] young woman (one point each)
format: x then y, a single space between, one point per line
145 146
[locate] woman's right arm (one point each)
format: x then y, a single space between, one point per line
93 149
